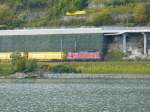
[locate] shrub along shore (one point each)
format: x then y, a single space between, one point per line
107 67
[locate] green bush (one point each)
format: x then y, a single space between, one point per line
139 14
19 65
22 64
15 56
100 18
18 62
64 69
30 66
115 55
74 22
6 14
6 68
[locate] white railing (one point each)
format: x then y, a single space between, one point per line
80 30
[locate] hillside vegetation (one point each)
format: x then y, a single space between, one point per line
52 13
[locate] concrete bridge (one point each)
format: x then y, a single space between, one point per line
123 31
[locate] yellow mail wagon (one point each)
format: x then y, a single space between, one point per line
5 55
46 55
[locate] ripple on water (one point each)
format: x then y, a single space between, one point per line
76 96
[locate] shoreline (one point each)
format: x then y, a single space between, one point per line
74 76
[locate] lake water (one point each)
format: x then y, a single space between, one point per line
75 95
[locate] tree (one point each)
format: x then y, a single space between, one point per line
74 5
101 18
5 14
56 9
139 13
80 4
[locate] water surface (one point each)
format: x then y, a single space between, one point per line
75 95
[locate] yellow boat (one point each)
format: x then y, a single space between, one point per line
76 13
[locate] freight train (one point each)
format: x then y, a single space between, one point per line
57 56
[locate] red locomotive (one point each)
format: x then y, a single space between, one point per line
85 56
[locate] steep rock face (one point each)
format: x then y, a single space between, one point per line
48 13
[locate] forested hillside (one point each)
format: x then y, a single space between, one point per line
52 13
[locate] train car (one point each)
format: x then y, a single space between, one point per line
84 56
46 56
5 55
55 56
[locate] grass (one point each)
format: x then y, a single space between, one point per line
64 69
106 67
6 68
110 67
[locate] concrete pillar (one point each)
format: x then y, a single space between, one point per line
124 43
75 44
145 43
61 45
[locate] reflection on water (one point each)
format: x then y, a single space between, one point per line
78 95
